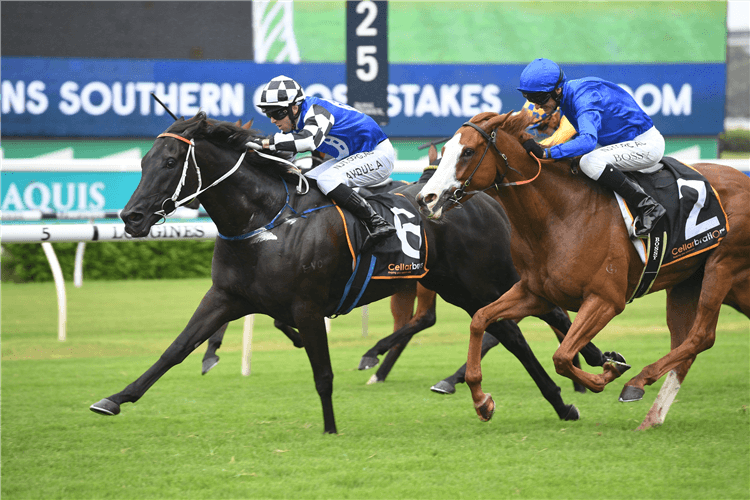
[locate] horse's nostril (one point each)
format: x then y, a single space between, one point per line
132 217
430 198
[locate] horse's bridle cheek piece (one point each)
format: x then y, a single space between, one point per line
491 141
171 204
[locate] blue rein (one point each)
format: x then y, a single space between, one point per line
275 222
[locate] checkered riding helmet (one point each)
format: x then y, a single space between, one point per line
282 91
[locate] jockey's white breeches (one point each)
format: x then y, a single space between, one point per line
358 170
642 153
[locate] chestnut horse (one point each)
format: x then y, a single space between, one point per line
572 249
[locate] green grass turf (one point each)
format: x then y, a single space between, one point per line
227 436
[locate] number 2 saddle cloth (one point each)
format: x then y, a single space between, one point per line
695 221
400 256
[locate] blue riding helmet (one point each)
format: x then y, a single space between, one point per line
540 79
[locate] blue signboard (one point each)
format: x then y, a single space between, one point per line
62 97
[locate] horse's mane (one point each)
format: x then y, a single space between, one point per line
512 123
218 133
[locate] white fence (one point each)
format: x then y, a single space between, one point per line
82 233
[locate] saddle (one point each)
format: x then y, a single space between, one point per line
695 221
401 256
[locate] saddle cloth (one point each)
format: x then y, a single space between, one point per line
400 256
695 221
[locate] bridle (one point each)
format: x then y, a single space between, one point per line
491 139
170 205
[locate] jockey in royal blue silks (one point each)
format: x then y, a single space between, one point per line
614 133
362 153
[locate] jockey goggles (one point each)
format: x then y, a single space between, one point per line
276 113
541 97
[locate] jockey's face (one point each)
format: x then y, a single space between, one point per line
285 124
550 105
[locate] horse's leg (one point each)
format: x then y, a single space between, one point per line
312 328
402 310
290 332
516 303
559 320
215 309
716 284
211 359
681 310
448 384
424 318
508 333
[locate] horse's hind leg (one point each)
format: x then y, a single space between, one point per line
216 309
681 313
681 301
714 288
290 332
211 359
448 384
423 319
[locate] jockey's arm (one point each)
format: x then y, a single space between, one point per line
589 123
316 126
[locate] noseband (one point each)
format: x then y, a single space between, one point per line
491 139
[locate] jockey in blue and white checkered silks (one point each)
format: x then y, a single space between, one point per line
613 133
361 154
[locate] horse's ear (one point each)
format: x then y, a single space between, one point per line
247 125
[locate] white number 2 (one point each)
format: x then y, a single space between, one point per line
692 227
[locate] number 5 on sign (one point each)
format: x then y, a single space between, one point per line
367 58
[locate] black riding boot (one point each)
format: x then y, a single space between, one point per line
647 210
349 199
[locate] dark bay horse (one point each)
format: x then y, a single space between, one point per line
296 268
572 250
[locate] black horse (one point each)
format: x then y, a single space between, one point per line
296 271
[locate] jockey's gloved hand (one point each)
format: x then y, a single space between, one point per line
255 144
531 146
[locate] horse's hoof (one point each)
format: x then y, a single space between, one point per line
367 362
630 393
105 407
617 359
486 408
572 413
209 363
374 380
443 387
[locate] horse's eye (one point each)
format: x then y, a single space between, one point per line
171 163
466 153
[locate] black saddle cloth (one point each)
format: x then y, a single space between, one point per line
695 220
400 256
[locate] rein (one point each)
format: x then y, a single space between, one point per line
275 222
491 141
170 205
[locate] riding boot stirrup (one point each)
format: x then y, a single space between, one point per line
647 211
349 199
